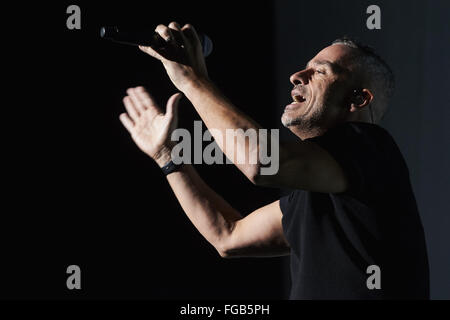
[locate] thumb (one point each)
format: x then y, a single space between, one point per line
151 52
172 105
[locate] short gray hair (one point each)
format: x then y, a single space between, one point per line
378 74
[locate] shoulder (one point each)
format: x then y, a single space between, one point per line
361 130
289 201
366 152
358 138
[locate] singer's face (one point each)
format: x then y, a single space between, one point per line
321 91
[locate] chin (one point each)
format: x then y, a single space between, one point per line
286 121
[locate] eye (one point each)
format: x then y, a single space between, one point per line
320 71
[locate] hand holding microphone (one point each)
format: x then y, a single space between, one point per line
181 50
146 37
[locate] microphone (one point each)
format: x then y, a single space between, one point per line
146 37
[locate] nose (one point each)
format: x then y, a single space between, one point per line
300 77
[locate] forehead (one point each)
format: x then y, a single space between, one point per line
335 54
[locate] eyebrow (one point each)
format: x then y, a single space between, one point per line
333 66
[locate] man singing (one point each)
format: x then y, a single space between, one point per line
352 212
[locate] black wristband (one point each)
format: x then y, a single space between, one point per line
170 167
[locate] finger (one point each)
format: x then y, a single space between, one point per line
137 103
191 34
177 33
131 109
141 99
172 105
151 52
165 33
145 97
174 25
145 102
127 122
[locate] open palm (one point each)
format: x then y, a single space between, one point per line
149 127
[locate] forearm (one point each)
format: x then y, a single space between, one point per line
214 108
220 115
212 216
188 73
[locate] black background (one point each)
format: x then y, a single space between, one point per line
84 194
76 190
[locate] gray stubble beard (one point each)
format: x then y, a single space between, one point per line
305 125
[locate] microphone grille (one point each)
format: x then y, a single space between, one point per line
207 45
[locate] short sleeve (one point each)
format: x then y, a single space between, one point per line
286 203
359 148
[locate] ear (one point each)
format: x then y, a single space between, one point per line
361 99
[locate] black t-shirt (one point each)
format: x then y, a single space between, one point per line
335 237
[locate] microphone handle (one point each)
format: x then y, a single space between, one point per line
146 37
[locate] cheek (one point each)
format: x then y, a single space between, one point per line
317 97
326 95
333 94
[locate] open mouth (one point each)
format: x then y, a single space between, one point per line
298 98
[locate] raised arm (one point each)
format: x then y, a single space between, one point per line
185 65
303 165
258 234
